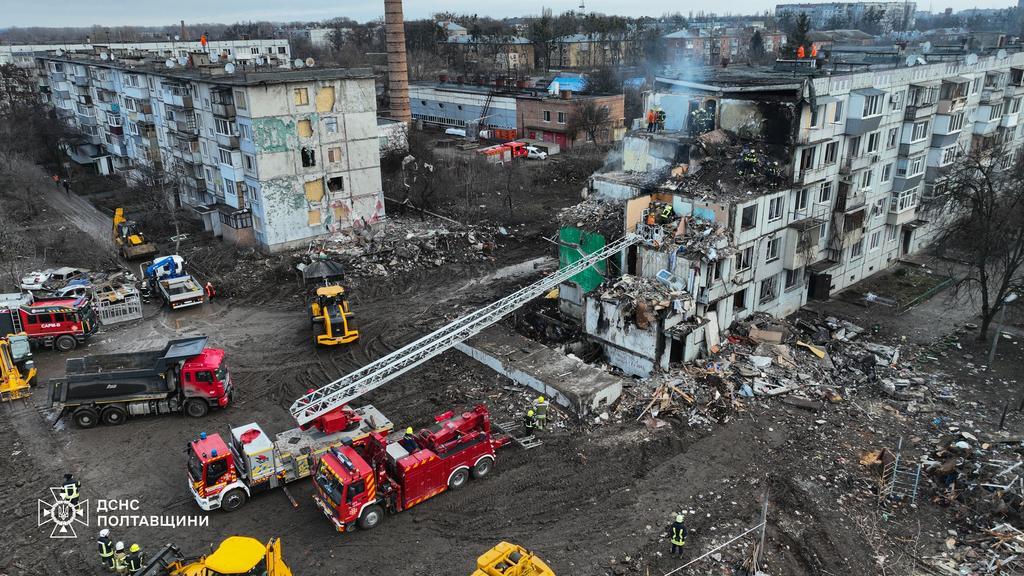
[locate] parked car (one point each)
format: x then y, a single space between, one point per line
536 153
61 276
51 278
35 280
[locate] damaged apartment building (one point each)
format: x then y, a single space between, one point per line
769 187
268 157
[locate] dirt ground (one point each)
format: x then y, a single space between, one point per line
593 500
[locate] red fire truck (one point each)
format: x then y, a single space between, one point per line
357 484
61 323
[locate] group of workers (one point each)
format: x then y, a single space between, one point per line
655 120
536 417
115 558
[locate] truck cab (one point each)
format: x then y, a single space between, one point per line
61 323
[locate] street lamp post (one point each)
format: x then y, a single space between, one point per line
999 327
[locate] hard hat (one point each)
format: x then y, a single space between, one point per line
408 430
104 533
679 517
134 548
529 413
540 399
119 546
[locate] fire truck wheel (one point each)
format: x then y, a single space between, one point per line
113 415
459 478
196 408
65 343
233 500
85 417
483 467
371 516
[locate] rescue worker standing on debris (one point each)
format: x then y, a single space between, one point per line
106 548
134 559
529 422
70 489
120 559
652 120
540 410
677 535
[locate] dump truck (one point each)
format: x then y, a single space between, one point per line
167 277
239 555
357 484
331 317
16 367
225 477
507 559
130 241
185 376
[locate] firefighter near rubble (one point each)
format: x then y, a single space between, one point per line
540 411
106 549
70 488
530 422
120 559
677 535
134 559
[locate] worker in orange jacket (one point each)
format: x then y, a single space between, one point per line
210 292
651 120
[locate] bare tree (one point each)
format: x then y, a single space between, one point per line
589 118
983 204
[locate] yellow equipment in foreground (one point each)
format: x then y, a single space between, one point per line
129 239
330 316
508 559
238 555
12 384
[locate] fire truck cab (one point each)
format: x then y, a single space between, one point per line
357 484
61 323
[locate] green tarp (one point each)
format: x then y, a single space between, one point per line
589 242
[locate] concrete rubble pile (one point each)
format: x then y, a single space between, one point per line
647 298
400 245
723 165
606 217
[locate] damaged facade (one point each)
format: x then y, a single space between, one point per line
767 188
270 158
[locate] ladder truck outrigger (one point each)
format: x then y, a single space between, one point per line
354 442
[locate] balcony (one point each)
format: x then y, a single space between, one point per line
813 135
222 109
951 105
912 148
861 126
227 141
897 217
849 198
183 128
86 120
991 95
854 163
916 112
56 76
811 174
117 149
802 237
62 95
80 80
1009 120
987 127
177 100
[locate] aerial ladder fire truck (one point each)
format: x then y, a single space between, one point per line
223 475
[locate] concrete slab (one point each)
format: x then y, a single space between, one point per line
570 383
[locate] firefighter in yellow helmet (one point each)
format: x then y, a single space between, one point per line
529 422
409 441
134 559
540 410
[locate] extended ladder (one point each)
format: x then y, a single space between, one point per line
356 383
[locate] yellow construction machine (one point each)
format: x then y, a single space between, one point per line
508 559
331 317
14 385
237 555
129 239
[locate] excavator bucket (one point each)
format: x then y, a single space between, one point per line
13 385
168 561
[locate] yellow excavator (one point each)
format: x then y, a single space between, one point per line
13 384
237 555
331 317
507 559
129 239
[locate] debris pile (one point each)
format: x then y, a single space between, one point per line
646 299
606 217
722 166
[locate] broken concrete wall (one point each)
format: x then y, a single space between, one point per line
607 187
633 350
770 122
647 152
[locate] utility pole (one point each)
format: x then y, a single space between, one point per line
1012 296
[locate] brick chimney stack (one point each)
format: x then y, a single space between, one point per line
398 68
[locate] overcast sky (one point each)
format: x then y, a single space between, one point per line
148 12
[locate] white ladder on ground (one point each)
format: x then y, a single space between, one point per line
899 479
359 382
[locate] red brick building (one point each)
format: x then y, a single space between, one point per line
550 118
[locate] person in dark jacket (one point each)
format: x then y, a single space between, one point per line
677 535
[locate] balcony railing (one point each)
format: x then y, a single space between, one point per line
227 141
855 163
225 110
913 112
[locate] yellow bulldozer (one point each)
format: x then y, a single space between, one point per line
507 559
15 351
237 555
331 317
130 241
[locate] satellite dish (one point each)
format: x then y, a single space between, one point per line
182 60
229 68
169 63
310 62
298 63
971 59
177 37
911 60
104 56
260 61
1001 54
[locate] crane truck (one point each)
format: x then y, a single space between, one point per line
184 376
130 241
168 278
225 476
239 555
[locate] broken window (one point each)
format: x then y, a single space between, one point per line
956 122
334 154
865 178
240 100
325 99
305 128
775 208
793 277
886 173
857 250
547 115
873 139
825 194
837 116
744 259
314 190
872 105
876 240
768 289
920 131
313 218
739 300
308 157
807 158
225 156
336 184
800 199
772 251
250 162
831 151
749 217
854 150
331 124
301 96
